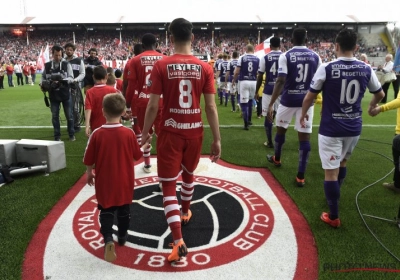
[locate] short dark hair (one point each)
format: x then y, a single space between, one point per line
99 73
137 49
110 70
69 45
299 36
118 73
149 40
275 42
181 29
114 104
93 50
235 54
347 39
56 48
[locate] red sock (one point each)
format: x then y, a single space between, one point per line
171 209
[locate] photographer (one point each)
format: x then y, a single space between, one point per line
78 68
56 77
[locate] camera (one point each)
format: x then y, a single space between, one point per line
54 82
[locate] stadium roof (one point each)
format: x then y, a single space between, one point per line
161 11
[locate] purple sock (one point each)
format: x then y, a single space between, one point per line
279 140
268 129
332 194
304 151
244 112
250 110
342 175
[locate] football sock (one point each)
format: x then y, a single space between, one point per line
250 108
245 112
304 152
146 155
233 102
171 209
268 129
342 175
332 194
186 190
279 141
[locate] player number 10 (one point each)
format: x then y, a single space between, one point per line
352 88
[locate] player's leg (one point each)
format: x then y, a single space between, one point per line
268 124
304 144
244 102
106 223
141 112
395 185
123 218
169 153
284 116
330 150
190 160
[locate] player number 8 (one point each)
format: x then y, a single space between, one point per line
185 96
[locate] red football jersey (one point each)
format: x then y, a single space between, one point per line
182 79
94 102
118 84
112 148
130 90
141 67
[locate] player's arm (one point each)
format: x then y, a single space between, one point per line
236 74
227 74
307 103
150 116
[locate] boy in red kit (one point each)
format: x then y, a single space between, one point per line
114 182
140 70
118 75
181 78
94 97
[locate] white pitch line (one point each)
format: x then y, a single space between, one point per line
206 126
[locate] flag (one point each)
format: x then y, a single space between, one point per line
43 58
120 39
27 38
262 49
396 61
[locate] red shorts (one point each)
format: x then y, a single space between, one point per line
175 153
141 113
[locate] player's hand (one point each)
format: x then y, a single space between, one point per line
215 151
373 111
146 139
270 113
90 176
303 120
87 131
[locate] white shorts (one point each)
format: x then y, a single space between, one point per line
333 150
230 88
220 84
247 90
285 114
266 99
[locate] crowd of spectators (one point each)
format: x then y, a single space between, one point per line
110 47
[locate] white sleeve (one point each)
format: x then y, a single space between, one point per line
319 79
261 66
282 64
373 85
239 63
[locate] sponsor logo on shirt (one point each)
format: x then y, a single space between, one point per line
174 124
150 60
184 71
144 95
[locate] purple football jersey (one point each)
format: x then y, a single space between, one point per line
248 64
231 69
223 67
343 83
298 65
269 66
